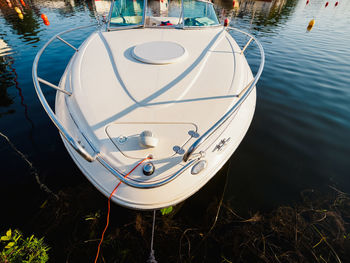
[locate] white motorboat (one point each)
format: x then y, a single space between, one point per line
158 82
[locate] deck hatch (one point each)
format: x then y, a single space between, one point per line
169 135
159 52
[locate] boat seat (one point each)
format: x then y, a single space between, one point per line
127 20
157 21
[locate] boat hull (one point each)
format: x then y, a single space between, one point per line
197 102
177 190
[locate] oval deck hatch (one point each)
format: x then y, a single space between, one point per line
159 52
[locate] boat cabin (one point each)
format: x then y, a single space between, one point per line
163 13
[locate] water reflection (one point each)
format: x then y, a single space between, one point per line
65 8
6 77
5 49
27 25
260 14
6 82
20 92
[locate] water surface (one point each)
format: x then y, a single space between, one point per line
299 137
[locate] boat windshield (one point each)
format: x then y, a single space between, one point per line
199 13
163 13
127 13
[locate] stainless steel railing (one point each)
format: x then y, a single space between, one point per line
72 142
236 106
97 155
76 146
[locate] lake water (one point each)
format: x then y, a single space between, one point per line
299 138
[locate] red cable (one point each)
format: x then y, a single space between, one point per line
109 206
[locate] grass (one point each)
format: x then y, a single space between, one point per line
19 249
314 230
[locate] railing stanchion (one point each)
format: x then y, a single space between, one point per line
68 44
54 86
246 45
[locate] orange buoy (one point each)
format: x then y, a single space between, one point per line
326 4
336 3
235 4
23 3
226 22
45 19
20 16
311 24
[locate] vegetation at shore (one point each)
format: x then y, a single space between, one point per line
15 248
314 230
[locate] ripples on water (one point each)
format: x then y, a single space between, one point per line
299 137
300 133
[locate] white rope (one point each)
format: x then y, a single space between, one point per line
152 258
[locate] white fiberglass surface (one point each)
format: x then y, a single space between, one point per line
198 90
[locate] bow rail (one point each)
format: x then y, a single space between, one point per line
76 146
235 107
96 153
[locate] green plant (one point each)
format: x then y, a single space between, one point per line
18 249
166 210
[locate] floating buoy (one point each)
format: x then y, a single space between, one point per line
311 24
307 2
18 10
23 3
326 4
235 4
226 22
20 16
336 3
9 3
45 19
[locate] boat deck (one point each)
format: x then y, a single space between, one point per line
112 88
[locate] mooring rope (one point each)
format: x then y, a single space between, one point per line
152 258
33 171
109 207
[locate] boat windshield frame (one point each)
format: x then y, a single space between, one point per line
142 24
